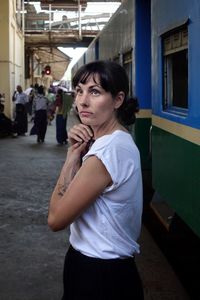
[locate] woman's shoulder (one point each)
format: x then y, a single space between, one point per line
117 151
118 137
120 142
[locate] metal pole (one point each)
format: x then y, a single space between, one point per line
23 17
79 20
49 16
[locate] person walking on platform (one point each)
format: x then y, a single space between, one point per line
51 111
67 104
61 118
40 105
21 119
99 191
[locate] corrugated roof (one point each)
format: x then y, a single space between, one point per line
56 59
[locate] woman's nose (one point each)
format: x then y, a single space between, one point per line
83 100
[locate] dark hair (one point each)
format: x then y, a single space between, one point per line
1 107
59 91
41 90
113 79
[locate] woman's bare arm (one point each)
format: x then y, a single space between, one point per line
77 185
88 183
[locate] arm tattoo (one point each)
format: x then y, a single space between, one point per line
62 187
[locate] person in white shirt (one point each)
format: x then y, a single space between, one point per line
99 191
21 119
39 111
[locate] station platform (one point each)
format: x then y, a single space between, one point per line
31 256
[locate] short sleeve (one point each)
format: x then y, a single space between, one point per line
116 159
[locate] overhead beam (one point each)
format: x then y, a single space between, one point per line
59 39
71 5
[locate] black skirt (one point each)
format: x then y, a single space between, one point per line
21 119
87 278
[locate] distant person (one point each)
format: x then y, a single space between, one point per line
65 22
61 118
36 86
51 107
67 104
99 191
30 101
7 127
21 120
40 106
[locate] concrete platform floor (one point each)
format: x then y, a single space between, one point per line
31 256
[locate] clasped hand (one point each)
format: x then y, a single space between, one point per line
79 136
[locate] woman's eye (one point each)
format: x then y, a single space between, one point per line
95 92
78 92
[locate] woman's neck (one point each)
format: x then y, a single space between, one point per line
105 129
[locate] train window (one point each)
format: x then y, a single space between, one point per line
127 64
175 70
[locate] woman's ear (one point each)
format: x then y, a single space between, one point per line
119 99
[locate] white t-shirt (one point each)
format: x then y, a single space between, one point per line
40 102
110 227
21 98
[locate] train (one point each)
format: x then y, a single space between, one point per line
158 44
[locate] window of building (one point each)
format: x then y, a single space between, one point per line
175 70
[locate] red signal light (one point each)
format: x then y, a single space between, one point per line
47 70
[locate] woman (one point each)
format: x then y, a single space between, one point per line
100 197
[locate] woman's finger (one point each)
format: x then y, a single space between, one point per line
80 133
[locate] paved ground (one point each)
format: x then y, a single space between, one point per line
31 256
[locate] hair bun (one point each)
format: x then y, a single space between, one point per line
128 110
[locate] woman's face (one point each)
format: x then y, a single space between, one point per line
95 106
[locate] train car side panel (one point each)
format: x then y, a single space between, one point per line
91 53
117 35
174 167
175 106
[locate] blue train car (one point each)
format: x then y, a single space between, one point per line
176 109
175 133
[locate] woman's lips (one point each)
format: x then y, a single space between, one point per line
85 113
